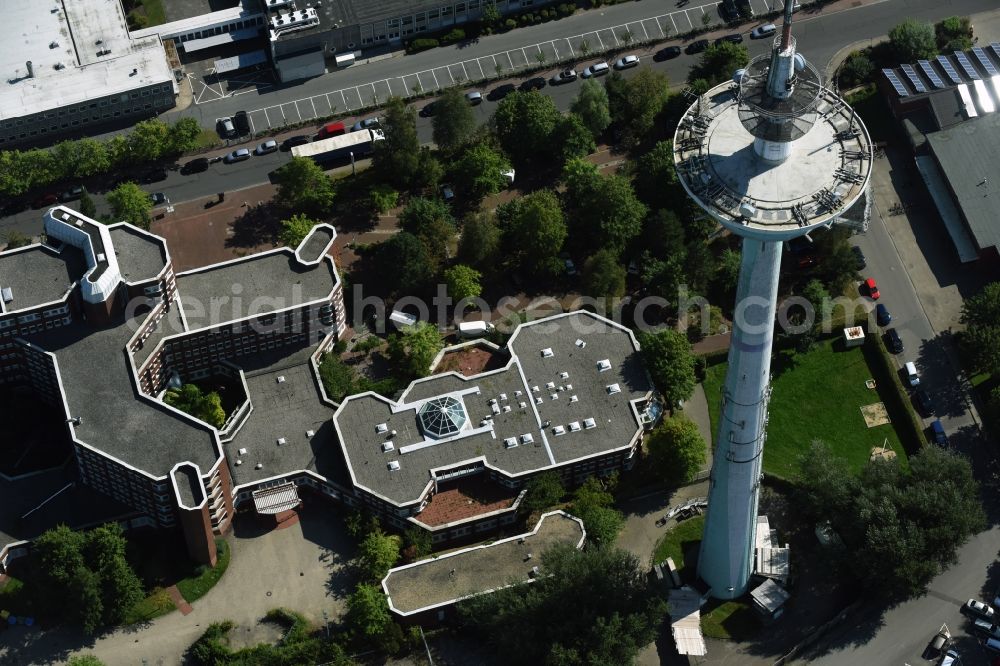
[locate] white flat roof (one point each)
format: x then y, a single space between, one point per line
67 32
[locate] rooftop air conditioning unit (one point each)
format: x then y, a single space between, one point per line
259 466
281 441
310 433
281 379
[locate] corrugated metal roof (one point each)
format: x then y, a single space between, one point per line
685 624
276 500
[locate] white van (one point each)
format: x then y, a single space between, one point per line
474 329
401 319
911 373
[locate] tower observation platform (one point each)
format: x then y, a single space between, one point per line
771 155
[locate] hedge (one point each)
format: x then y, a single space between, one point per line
418 45
906 423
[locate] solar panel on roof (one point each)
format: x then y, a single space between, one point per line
983 97
966 64
896 83
970 108
914 78
995 47
949 70
931 75
984 61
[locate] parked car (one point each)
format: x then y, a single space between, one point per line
924 403
763 31
728 13
43 200
893 341
735 38
627 61
153 175
447 193
597 69
570 267
237 156
872 288
536 83
242 122
912 376
564 76
196 165
696 46
428 110
225 128
882 315
976 608
159 198
293 141
860 262
500 92
937 429
72 194
367 123
668 53
474 98
268 146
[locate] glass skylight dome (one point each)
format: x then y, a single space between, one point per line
442 417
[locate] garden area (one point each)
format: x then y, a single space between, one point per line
798 414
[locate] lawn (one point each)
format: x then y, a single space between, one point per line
156 604
729 620
816 395
204 579
680 541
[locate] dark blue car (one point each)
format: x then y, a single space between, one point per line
882 315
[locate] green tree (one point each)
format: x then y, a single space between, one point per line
953 33
191 400
453 121
87 206
594 505
412 349
120 588
668 356
148 141
417 543
295 229
604 276
303 187
403 264
384 198
82 158
677 451
656 180
543 491
662 261
573 138
377 553
397 158
183 136
524 123
604 209
857 69
491 15
130 204
463 282
430 220
556 619
480 171
980 342
727 273
718 62
913 40
16 239
837 265
368 611
479 245
339 379
534 233
636 102
900 527
591 104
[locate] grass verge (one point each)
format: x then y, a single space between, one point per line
681 543
729 620
195 587
156 604
818 395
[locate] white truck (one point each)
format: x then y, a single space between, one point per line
357 144
474 329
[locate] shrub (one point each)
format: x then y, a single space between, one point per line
856 70
566 9
423 44
454 35
510 24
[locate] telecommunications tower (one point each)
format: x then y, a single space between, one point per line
771 155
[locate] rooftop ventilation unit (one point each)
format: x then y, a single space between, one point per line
580 343
281 379
569 387
603 365
559 430
553 396
538 400
535 389
310 433
259 466
589 423
614 388
281 441
503 396
564 375
387 446
506 408
518 393
574 426
382 428
550 385
59 65
510 442
294 20
238 462
522 405
547 352
275 4
53 44
573 398
393 465
7 294
101 258
495 408
526 438
243 452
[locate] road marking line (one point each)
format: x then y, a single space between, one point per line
601 41
643 26
555 49
495 65
571 51
437 86
464 71
343 100
673 22
328 103
267 118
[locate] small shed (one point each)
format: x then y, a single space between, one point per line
854 336
769 600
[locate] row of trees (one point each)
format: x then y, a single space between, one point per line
149 140
980 345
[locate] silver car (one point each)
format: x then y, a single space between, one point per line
268 146
237 156
627 62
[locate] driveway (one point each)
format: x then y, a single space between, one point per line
301 567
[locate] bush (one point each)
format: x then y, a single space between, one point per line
423 44
384 198
566 9
857 69
510 24
454 35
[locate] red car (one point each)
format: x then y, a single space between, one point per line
872 288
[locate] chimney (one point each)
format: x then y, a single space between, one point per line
31 70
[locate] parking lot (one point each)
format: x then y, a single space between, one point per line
493 66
